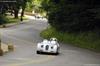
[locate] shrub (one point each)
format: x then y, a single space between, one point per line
73 16
89 40
2 20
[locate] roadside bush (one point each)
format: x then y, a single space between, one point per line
2 20
89 40
74 15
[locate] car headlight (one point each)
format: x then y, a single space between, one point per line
41 46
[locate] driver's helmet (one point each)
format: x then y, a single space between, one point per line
53 39
45 41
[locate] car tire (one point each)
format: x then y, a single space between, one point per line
57 51
38 52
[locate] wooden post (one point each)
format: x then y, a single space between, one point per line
1 51
10 47
0 43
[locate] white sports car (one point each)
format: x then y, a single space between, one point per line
51 46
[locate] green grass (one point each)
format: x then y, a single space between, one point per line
88 40
11 19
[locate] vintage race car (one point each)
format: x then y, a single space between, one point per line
48 46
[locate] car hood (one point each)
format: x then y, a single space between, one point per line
47 44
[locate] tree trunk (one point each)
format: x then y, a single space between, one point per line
16 14
22 13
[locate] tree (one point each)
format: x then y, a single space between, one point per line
73 15
20 4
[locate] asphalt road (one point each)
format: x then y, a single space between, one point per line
25 37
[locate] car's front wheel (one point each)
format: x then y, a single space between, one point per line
38 52
56 53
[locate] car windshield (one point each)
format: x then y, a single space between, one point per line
53 42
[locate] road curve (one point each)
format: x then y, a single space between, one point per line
25 36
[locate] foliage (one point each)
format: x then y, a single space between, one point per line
13 6
73 15
36 6
20 4
9 19
89 40
2 20
29 7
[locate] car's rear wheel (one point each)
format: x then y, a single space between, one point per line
57 51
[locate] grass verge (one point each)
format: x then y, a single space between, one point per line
11 19
88 40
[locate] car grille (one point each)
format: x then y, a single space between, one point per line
47 47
